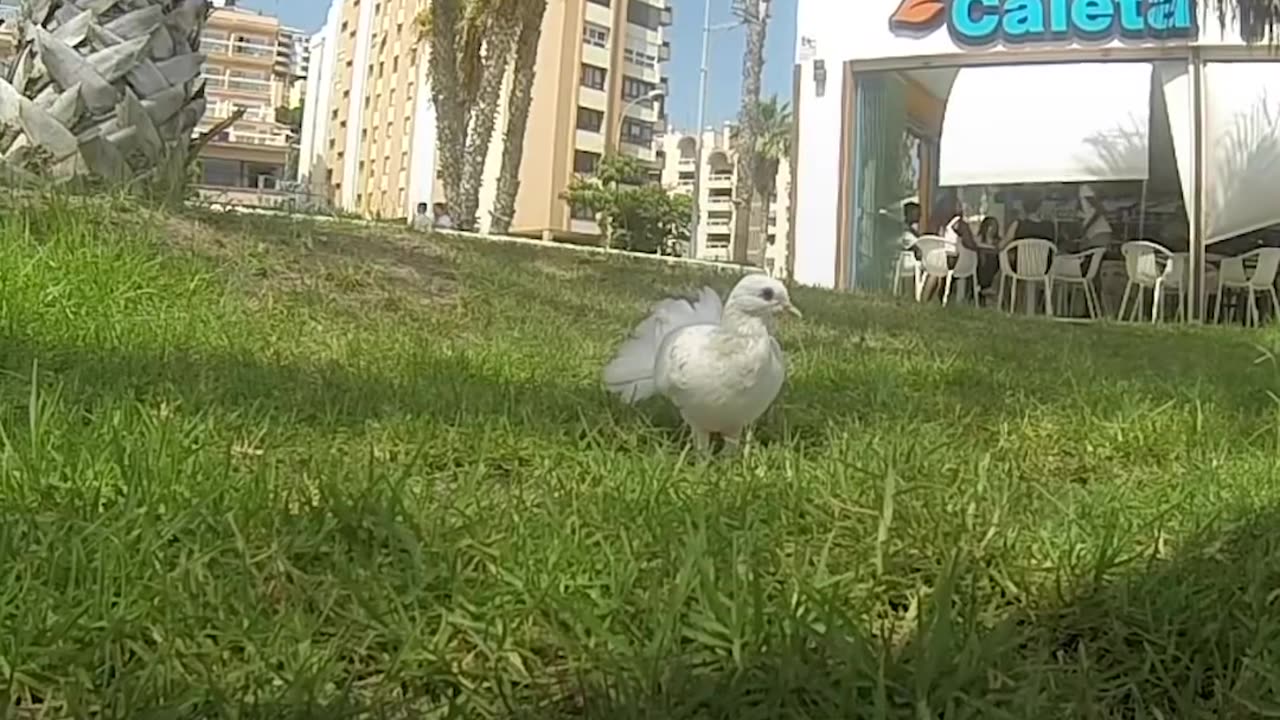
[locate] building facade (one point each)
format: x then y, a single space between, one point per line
369 136
293 62
1162 118
249 160
715 200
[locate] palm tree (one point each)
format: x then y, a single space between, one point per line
755 15
501 27
772 148
1256 19
524 69
106 89
453 34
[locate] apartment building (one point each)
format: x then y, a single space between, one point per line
293 62
241 71
369 135
715 198
10 16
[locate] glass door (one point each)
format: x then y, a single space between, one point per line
887 166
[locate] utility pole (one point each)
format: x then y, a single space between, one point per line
696 210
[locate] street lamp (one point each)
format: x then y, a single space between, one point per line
696 210
650 96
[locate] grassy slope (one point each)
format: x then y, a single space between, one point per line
269 469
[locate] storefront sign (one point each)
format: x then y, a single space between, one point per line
978 23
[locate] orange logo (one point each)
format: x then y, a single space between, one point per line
919 15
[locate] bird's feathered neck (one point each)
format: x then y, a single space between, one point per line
735 321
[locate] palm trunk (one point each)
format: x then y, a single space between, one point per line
504 204
762 188
447 96
748 127
483 114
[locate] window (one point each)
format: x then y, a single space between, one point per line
640 58
584 162
636 132
577 212
590 120
600 2
644 15
596 35
593 77
633 89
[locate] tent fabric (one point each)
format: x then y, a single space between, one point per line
1038 123
1242 147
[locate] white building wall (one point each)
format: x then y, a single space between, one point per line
422 147
315 114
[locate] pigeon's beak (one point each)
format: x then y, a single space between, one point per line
793 310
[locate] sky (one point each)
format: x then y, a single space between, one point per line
724 69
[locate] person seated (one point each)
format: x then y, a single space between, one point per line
1032 224
989 241
1096 231
422 220
911 232
956 233
442 219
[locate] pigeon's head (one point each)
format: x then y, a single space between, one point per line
761 296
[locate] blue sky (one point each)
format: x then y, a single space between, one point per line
724 80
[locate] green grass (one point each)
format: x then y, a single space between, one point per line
259 469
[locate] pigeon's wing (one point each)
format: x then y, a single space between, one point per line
707 306
631 374
779 357
681 360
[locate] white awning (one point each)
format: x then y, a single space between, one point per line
1242 147
1078 122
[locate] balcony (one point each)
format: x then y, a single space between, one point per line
720 180
224 48
720 202
664 17
240 137
664 52
256 115
237 84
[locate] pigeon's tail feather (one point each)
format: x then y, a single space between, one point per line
630 374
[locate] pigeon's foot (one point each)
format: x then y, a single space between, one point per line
732 444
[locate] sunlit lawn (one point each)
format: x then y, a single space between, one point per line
255 468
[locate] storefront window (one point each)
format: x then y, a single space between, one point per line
881 179
894 164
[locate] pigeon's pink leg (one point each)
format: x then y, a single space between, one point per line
732 442
701 438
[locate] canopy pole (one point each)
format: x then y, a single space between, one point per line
1196 298
1142 212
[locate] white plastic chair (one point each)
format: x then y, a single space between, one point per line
1079 269
927 244
1233 274
1147 264
936 266
1033 264
1177 280
908 267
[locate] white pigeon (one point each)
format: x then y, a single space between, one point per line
719 365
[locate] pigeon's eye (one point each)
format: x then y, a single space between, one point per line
767 294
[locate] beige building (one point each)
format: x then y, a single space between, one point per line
242 71
369 128
10 16
715 201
